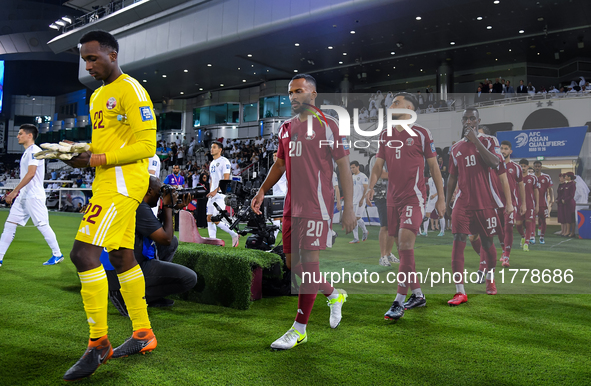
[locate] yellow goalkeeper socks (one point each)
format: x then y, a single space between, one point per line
95 296
133 290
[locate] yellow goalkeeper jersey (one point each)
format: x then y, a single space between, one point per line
124 128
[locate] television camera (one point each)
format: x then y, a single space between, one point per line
239 196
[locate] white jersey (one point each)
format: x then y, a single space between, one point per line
217 169
359 180
154 164
280 188
34 189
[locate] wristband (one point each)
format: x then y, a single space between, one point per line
97 160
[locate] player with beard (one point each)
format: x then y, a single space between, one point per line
307 212
473 160
405 156
546 200
515 177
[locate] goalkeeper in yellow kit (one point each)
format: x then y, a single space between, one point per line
119 151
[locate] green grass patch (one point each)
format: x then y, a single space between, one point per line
491 340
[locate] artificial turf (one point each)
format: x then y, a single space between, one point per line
519 339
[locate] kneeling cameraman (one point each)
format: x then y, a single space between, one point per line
154 249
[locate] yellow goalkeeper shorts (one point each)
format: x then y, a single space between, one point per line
109 221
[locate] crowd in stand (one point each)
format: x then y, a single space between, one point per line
242 153
501 88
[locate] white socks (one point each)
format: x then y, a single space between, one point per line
7 237
278 223
49 236
223 226
417 292
441 224
400 298
301 328
426 226
361 223
212 230
356 233
460 289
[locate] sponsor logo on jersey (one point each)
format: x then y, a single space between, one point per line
111 103
408 221
345 143
316 243
312 136
511 171
459 154
294 137
433 147
146 113
285 135
409 142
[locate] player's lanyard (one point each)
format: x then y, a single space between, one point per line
177 180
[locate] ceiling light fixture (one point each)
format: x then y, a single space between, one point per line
185 70
297 44
496 2
489 27
249 55
340 62
452 43
344 54
352 32
330 47
200 88
295 70
145 81
392 53
521 31
164 76
479 18
418 18
221 84
182 93
208 64
243 80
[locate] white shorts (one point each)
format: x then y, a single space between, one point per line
430 207
359 210
219 198
23 209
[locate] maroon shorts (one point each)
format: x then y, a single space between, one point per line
304 233
407 215
544 212
434 215
483 222
508 218
529 215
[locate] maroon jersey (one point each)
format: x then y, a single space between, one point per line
544 183
309 166
531 182
405 157
515 176
476 189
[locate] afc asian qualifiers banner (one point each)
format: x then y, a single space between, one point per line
559 142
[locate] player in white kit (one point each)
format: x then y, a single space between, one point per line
219 169
360 182
429 208
279 189
28 198
154 169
